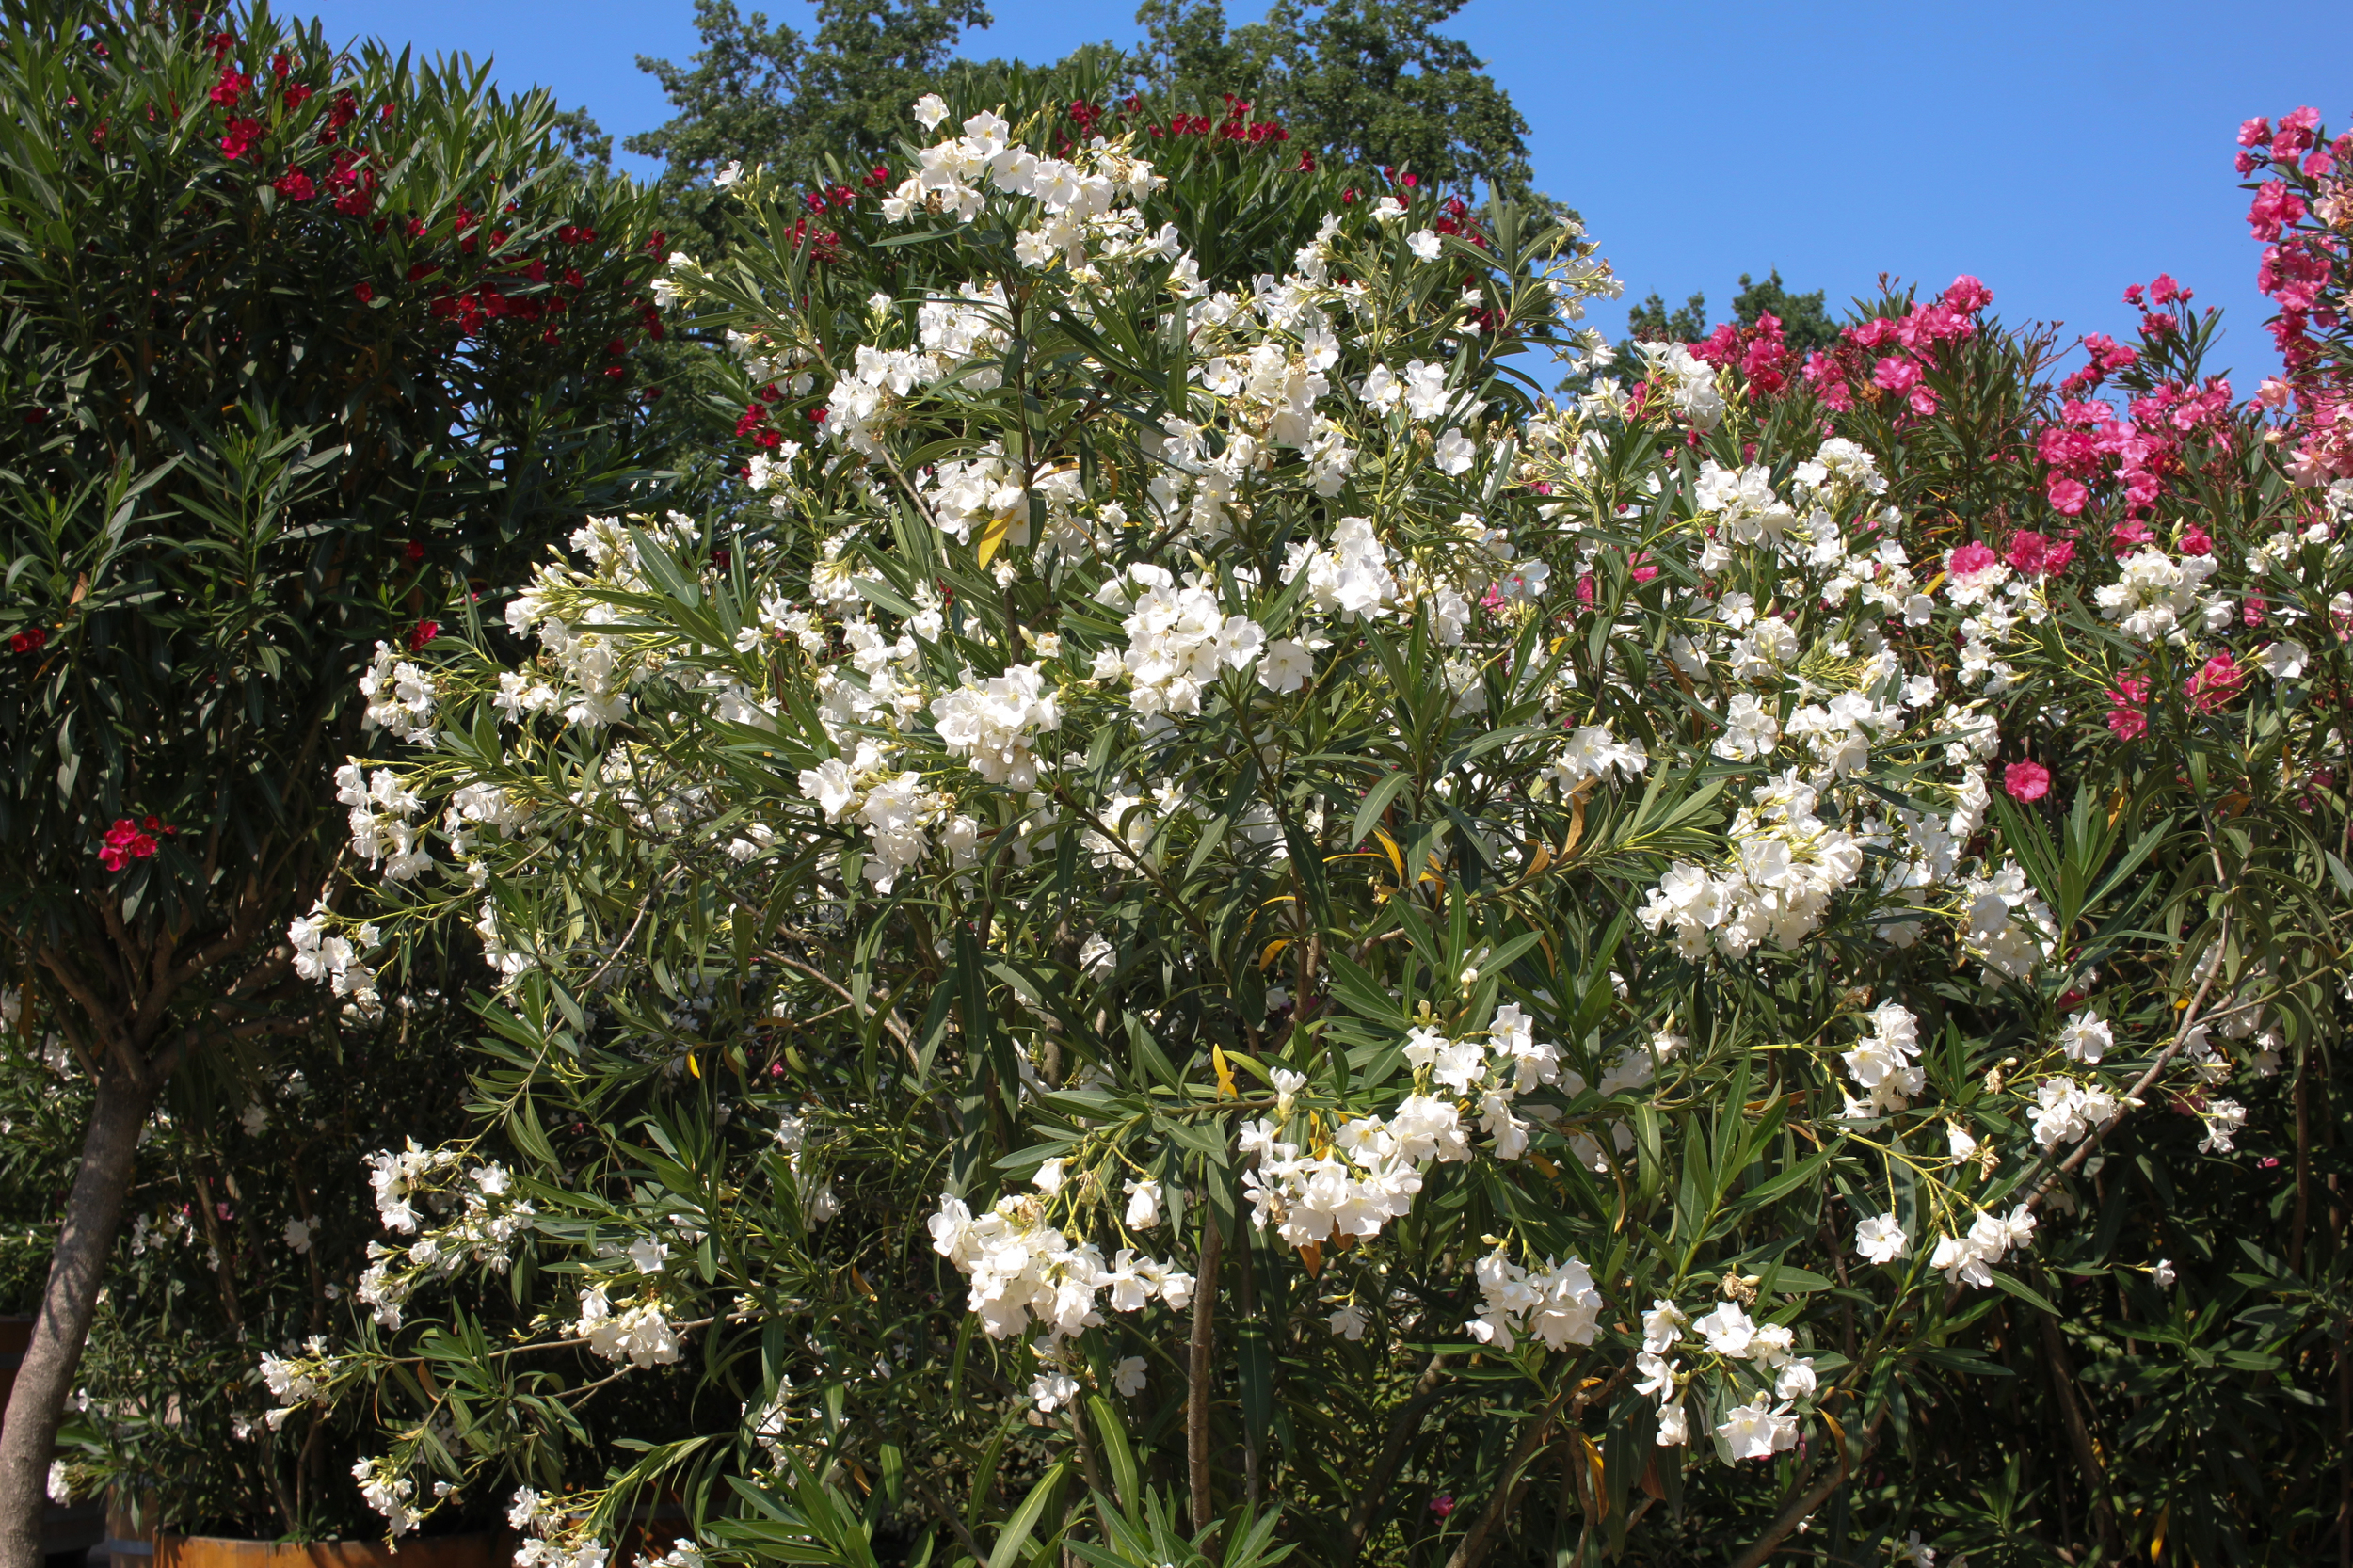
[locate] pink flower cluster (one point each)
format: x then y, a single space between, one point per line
2301 212
1892 355
1758 352
2089 445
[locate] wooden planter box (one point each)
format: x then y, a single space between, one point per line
487 1549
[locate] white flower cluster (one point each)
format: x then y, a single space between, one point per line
384 831
1371 1176
1786 865
891 803
997 721
1351 576
2008 925
961 336
1591 755
398 1177
1071 197
1421 392
549 1539
296 1381
1558 1304
1178 639
1686 381
320 954
2156 593
1969 1259
1754 1430
488 1221
1882 1062
388 1492
399 697
1024 1270
639 1332
593 665
2066 1109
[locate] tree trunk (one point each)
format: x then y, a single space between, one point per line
1198 1373
37 1406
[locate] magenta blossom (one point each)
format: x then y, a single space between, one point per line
2026 780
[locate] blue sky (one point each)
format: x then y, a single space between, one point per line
2056 150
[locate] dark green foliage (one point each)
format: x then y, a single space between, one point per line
250 434
1805 326
298 347
763 94
1652 322
1368 83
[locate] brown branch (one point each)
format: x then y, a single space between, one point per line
1802 1508
1197 1372
890 1019
1533 1436
1393 1450
2096 1475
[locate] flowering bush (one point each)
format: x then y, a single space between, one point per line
1199 901
297 339
247 1232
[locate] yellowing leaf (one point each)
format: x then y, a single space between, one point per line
991 537
1272 948
1576 826
1225 1089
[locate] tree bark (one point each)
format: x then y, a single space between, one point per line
2096 1475
1198 1374
37 1406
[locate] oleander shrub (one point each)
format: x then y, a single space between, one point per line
301 341
1200 927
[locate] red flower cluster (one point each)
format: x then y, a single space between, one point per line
242 133
128 840
1237 126
2090 445
822 245
2028 781
753 421
422 633
30 640
2032 555
353 182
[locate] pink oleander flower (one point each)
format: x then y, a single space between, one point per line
1896 373
2197 541
2213 686
2128 715
2066 495
1968 295
2274 208
2028 781
2030 554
